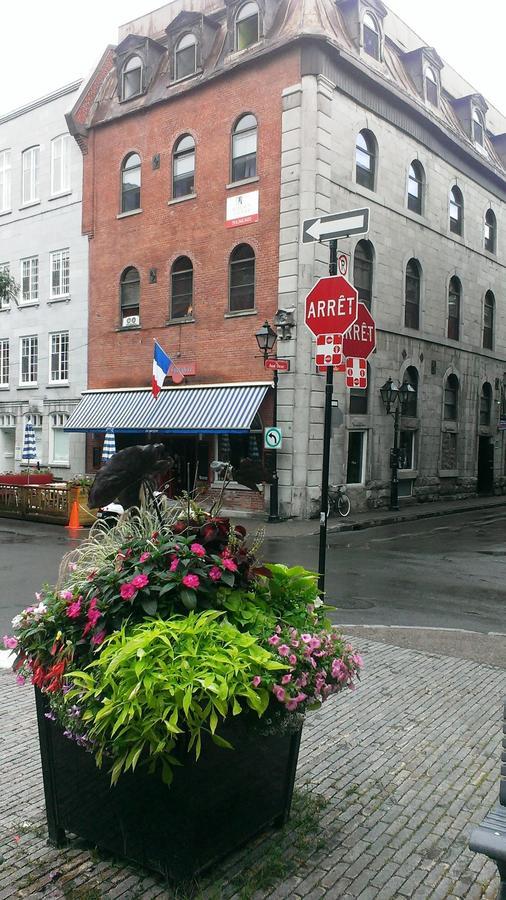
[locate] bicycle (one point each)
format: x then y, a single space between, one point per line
338 500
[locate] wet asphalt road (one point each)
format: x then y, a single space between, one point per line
446 572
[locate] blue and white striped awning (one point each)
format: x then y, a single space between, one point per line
214 409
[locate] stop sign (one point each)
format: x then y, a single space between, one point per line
331 306
360 339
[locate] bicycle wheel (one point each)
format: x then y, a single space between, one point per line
343 505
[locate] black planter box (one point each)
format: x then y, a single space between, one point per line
213 805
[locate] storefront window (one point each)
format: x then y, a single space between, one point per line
232 448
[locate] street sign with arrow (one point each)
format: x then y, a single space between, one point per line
337 225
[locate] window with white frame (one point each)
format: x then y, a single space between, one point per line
29 359
29 279
132 78
7 420
4 361
30 167
5 180
59 357
60 164
59 440
60 273
5 302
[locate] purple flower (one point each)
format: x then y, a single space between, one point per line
279 692
51 716
286 679
273 640
10 643
292 659
256 680
284 650
66 595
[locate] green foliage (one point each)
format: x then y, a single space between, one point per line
8 287
161 681
291 591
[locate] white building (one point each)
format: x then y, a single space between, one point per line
43 334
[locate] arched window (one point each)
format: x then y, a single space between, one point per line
132 78
456 210
431 88
244 148
359 397
486 404
183 167
454 295
490 231
372 36
130 290
478 127
415 187
451 398
365 159
410 406
412 294
363 264
242 278
182 288
488 321
247 26
131 183
185 56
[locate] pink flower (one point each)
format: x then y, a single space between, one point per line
274 640
174 564
278 629
10 643
197 549
128 552
292 659
279 693
286 679
191 581
20 679
291 705
93 616
357 659
295 644
256 680
128 591
300 697
144 557
306 638
284 650
74 610
66 595
140 581
214 573
72 566
98 638
229 564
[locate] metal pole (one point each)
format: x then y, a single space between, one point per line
273 504
394 485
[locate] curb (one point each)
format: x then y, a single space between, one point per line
395 519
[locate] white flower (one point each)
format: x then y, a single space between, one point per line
40 609
17 621
317 602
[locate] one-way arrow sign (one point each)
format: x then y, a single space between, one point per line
337 225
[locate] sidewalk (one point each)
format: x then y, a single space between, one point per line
391 778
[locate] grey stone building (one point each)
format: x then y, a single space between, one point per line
43 332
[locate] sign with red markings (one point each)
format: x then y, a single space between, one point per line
331 306
329 349
360 339
356 372
280 365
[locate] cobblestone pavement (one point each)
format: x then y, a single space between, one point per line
390 780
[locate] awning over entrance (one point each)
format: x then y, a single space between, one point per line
213 409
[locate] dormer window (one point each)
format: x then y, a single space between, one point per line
372 36
132 78
247 26
431 89
185 57
478 128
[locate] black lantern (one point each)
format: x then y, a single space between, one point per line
266 338
388 393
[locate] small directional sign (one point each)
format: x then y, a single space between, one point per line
279 365
272 438
337 225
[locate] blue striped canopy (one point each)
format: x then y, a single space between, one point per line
212 409
29 448
109 448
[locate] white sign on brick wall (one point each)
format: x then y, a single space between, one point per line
242 209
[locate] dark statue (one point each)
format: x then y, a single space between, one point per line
122 477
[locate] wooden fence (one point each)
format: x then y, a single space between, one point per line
44 503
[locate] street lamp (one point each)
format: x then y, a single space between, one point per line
266 337
394 397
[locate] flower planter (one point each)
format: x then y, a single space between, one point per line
213 805
25 478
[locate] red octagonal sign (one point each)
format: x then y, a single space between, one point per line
331 306
360 339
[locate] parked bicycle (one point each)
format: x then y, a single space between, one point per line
338 500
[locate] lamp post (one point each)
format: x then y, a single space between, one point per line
266 337
394 397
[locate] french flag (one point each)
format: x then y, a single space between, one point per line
161 366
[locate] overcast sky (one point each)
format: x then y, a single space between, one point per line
47 45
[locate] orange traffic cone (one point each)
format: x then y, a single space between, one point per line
74 516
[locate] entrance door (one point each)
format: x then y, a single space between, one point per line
485 465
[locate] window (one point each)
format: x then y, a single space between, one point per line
30 192
183 167
356 457
131 183
130 289
407 450
5 180
410 406
182 288
412 307
29 353
486 404
371 36
246 26
451 399
415 187
242 279
454 294
359 398
60 273
132 78
7 420
365 159
456 210
60 440
449 450
363 262
185 57
244 148
431 89
4 361
30 279
232 448
60 164
478 128
488 321
490 231
5 302
59 357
